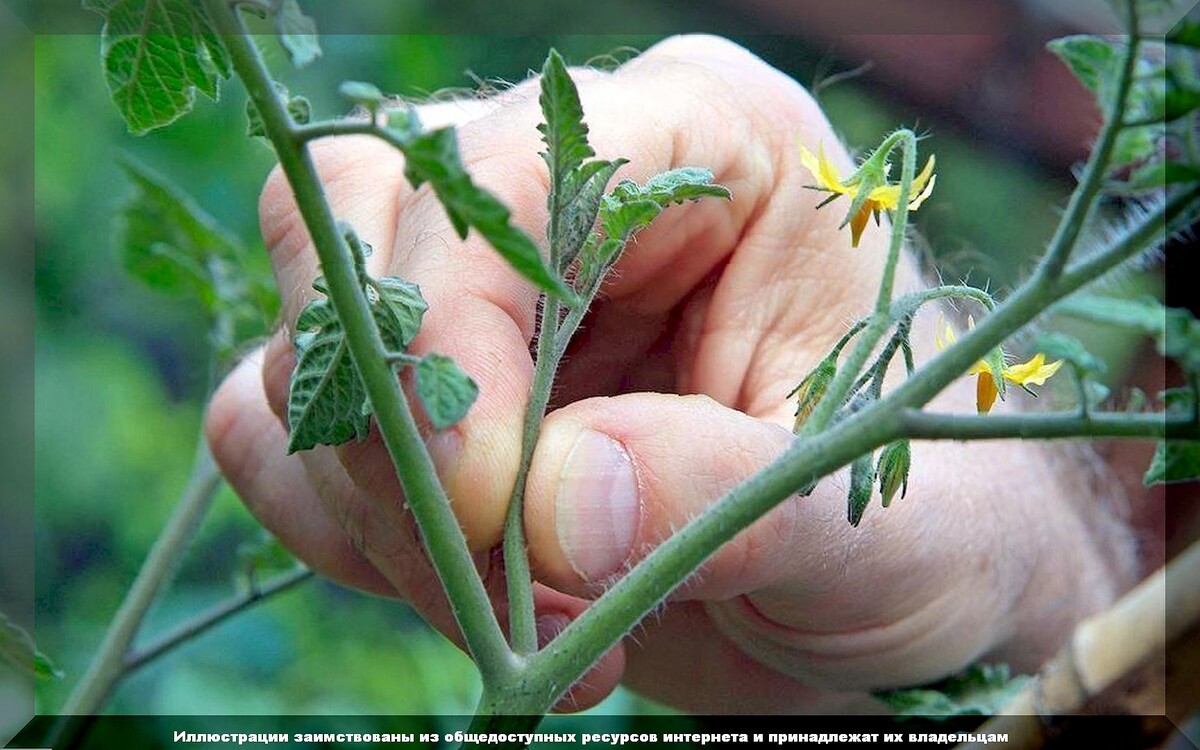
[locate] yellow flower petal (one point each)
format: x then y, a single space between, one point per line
915 203
822 170
859 223
985 392
1033 372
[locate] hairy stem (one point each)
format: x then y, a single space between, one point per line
522 622
444 540
108 667
920 425
214 616
1084 197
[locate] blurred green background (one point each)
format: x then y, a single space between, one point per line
121 371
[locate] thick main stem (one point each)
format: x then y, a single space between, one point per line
444 540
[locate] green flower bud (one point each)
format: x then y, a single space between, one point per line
892 470
812 389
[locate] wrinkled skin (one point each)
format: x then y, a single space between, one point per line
672 394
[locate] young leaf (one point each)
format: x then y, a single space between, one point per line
631 207
327 403
982 690
297 106
862 481
156 55
18 650
403 301
563 128
297 33
584 192
433 157
445 390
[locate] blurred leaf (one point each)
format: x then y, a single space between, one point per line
862 482
1057 345
1180 102
156 55
263 557
982 690
1096 62
366 95
298 107
445 390
18 650
170 244
297 33
1174 461
433 157
1186 33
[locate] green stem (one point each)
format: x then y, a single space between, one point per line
108 667
909 304
920 425
210 618
1084 196
444 540
522 617
878 323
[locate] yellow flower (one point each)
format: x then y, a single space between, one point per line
883 197
1025 374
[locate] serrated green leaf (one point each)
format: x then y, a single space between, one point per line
562 128
366 95
982 690
433 157
862 481
623 219
1057 345
444 389
298 107
403 301
17 649
156 55
1174 461
297 33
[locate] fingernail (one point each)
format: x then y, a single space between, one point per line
597 506
444 448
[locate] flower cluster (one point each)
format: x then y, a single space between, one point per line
1033 372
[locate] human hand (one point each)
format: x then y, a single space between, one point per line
730 304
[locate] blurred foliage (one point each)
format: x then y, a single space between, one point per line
121 370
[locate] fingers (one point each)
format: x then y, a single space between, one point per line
613 477
249 445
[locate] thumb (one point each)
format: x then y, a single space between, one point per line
613 477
